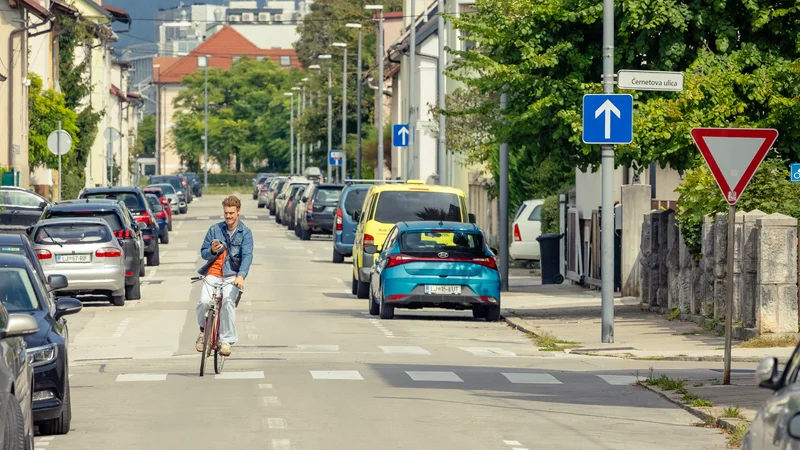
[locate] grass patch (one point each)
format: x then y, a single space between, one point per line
702 403
769 341
698 384
674 314
549 343
652 358
694 333
689 397
716 381
666 383
735 437
732 412
229 190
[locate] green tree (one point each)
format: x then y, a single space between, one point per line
46 108
146 137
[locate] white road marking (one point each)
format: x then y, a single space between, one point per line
202 218
531 378
247 318
619 380
329 348
240 375
308 250
265 386
336 375
276 423
281 444
293 247
141 377
511 442
401 350
434 376
47 438
251 217
121 329
488 351
41 444
252 337
339 280
271 401
250 327
151 274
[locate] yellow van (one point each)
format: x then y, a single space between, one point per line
387 204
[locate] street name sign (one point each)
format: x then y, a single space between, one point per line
400 135
335 157
650 80
733 155
607 118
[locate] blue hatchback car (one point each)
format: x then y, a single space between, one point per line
344 234
435 265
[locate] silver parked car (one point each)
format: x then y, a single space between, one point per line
175 203
86 251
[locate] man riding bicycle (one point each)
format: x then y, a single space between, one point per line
228 250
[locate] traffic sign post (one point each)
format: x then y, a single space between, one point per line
733 156
335 160
400 135
607 118
59 142
794 171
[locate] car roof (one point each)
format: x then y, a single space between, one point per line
94 205
6 239
111 189
427 225
416 186
330 185
71 220
16 261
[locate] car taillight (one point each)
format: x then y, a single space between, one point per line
123 234
108 252
369 240
489 262
161 215
338 219
42 253
517 236
310 206
144 218
165 202
262 191
396 260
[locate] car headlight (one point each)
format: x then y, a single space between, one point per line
39 356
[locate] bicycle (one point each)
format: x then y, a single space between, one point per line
211 329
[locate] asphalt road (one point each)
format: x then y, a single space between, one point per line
313 371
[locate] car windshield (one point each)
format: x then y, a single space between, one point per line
404 206
166 188
16 290
263 180
131 199
354 201
110 217
155 203
296 191
457 244
328 194
175 182
72 234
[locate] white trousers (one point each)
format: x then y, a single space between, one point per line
227 326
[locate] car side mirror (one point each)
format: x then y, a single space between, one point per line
43 205
57 282
29 230
472 218
66 306
767 373
20 325
305 199
371 249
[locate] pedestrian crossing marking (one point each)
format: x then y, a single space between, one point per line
336 375
434 376
619 380
403 350
531 378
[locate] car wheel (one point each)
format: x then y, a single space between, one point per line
363 289
290 225
355 286
169 225
493 313
277 219
261 206
59 425
305 235
141 268
184 210
134 291
14 425
338 258
154 259
479 313
386 311
117 300
165 237
255 197
374 308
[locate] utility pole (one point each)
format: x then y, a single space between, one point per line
305 144
297 133
330 121
503 219
358 101
379 94
158 120
291 132
440 154
412 50
204 63
607 204
343 168
311 95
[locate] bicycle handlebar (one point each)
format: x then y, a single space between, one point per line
220 283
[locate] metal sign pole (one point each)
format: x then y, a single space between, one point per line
58 146
726 377
607 213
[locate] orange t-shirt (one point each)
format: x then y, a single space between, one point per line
216 267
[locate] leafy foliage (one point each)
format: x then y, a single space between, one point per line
770 191
146 137
46 108
550 210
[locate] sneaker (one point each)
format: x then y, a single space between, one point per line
199 344
225 349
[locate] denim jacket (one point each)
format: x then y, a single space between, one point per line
239 246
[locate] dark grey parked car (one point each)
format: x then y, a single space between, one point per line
16 381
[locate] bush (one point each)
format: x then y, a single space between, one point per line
232 179
72 183
550 215
769 191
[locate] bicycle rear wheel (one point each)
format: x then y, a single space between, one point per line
208 331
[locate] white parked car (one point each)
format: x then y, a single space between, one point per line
526 228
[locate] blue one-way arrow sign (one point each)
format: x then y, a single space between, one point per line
607 118
400 135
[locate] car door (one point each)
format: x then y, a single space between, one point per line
380 263
358 243
129 222
7 209
28 207
777 411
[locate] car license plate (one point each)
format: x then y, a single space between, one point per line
442 290
73 258
330 209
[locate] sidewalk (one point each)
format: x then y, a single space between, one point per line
572 313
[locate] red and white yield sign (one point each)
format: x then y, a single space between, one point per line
733 155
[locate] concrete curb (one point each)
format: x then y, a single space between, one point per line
514 322
667 358
706 414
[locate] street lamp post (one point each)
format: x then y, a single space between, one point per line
311 99
296 89
305 144
291 132
379 104
202 61
158 121
358 100
330 122
343 168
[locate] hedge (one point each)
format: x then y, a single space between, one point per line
231 179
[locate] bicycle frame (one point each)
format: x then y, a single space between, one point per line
211 330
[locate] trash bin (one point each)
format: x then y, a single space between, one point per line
549 258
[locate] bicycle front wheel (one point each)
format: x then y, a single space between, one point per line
208 331
219 361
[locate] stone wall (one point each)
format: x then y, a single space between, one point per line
764 270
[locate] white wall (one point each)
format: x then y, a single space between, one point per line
269 36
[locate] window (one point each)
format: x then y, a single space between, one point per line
259 58
329 195
110 217
402 206
132 200
457 244
19 198
286 61
155 203
248 17
536 214
391 239
16 290
234 18
354 201
520 211
74 233
236 58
